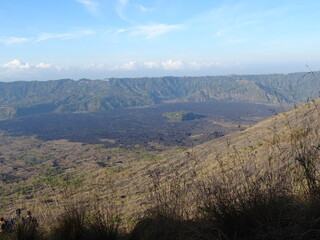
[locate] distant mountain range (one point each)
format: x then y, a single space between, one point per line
26 98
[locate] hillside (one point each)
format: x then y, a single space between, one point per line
47 176
182 116
27 98
36 173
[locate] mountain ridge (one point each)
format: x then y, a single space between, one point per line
66 95
128 171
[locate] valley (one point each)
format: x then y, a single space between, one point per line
125 159
131 182
159 120
47 155
20 98
142 126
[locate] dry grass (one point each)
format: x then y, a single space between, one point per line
241 199
262 183
79 223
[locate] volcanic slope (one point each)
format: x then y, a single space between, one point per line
54 173
28 98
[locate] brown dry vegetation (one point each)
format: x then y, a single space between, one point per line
261 183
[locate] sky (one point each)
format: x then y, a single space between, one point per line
98 39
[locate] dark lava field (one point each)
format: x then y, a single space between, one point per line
141 126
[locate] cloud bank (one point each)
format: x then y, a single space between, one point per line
17 69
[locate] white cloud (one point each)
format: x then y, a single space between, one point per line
123 5
151 64
167 65
25 70
130 65
88 3
120 9
221 32
123 2
16 64
234 28
144 9
46 36
14 40
44 65
20 65
92 6
94 66
17 70
172 65
68 35
203 65
151 31
122 30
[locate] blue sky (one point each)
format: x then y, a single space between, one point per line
52 39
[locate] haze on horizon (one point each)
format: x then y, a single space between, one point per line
43 40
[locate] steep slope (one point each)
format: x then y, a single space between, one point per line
25 98
50 174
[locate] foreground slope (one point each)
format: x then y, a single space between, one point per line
50 175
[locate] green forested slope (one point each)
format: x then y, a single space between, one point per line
25 98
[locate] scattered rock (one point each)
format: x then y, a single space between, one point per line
102 164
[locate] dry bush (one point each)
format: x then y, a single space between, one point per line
22 231
79 223
241 200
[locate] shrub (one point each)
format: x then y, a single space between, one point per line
22 231
71 225
77 223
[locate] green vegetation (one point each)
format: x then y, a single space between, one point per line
238 205
26 98
32 161
261 184
115 169
182 116
57 178
54 177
